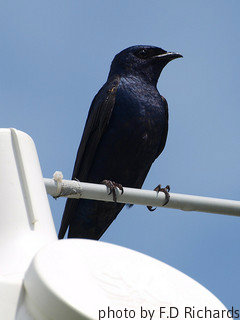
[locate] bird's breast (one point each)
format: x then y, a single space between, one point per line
139 114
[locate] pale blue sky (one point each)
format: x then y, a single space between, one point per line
55 55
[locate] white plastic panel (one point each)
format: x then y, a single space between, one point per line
80 279
25 218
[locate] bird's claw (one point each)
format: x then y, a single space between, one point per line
111 185
165 191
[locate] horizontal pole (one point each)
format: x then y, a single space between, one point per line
58 187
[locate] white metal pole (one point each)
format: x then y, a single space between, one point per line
74 189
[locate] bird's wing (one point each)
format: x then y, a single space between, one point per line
97 122
165 129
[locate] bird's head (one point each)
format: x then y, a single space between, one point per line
142 61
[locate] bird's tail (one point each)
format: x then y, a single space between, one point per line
70 207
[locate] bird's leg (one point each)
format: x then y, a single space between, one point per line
111 185
167 195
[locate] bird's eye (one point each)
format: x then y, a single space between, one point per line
142 54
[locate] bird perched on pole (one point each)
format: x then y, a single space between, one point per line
125 131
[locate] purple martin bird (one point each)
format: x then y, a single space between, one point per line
125 131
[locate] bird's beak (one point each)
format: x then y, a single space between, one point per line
170 55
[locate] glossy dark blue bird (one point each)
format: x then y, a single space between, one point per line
126 130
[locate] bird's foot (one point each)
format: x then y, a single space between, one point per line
112 186
167 195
